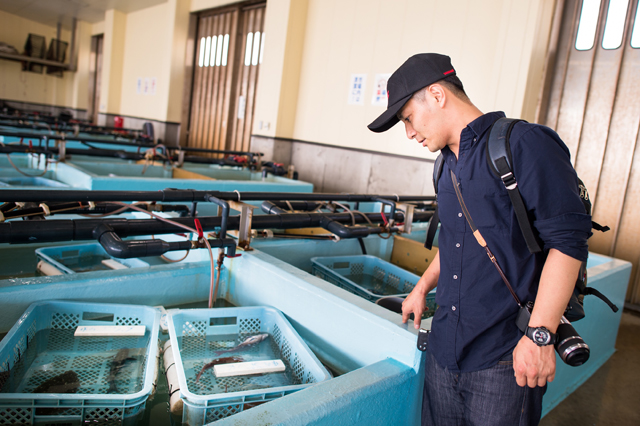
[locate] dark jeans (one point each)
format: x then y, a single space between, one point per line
488 397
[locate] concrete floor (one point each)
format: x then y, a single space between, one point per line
612 395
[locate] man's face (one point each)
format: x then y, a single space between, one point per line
423 121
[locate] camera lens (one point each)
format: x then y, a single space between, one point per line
570 346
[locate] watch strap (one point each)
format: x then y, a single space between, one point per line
530 333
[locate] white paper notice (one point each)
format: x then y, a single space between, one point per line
356 89
139 86
154 83
380 90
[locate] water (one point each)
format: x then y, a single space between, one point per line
196 352
83 365
85 263
373 284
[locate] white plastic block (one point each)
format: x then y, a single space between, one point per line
248 368
114 264
110 330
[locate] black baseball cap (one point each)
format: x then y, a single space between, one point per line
417 72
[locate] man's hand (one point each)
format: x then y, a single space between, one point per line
533 365
415 303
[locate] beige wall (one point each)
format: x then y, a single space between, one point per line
38 88
497 47
146 58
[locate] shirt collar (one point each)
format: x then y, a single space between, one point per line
479 126
474 131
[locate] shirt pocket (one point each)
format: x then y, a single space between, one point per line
489 205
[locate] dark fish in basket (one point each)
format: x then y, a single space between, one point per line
249 341
67 382
225 360
4 378
117 363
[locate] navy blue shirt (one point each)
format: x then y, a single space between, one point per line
474 325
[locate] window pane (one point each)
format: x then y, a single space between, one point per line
588 24
225 50
261 48
256 48
201 56
213 50
206 51
219 54
635 36
247 52
614 28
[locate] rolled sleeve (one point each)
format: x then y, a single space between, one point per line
549 187
566 233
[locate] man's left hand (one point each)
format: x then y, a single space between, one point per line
533 365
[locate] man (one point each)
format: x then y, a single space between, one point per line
480 369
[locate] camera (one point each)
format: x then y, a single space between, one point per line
569 345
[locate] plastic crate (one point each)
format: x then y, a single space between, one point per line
82 258
379 278
41 346
199 335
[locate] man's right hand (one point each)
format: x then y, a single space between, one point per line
415 304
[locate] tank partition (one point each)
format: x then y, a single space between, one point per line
129 176
33 172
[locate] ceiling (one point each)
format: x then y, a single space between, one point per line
50 12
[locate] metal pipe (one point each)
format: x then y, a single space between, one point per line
24 232
188 195
225 213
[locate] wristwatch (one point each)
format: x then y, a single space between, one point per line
540 336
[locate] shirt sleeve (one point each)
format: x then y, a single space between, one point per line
549 187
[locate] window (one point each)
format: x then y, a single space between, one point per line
588 24
247 52
614 27
256 48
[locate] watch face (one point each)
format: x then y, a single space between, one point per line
541 337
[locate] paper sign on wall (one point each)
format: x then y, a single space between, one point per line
356 89
380 90
139 85
145 87
154 83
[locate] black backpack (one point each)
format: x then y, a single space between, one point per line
499 159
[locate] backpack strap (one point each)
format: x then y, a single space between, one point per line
500 162
435 219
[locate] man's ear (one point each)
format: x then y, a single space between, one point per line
438 93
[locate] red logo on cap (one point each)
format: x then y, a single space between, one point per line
449 72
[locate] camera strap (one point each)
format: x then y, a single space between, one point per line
480 239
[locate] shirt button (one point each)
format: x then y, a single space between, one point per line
458 245
459 214
453 308
475 139
455 277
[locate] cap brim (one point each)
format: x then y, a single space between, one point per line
389 118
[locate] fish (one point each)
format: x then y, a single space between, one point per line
250 341
4 378
118 361
67 382
225 360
